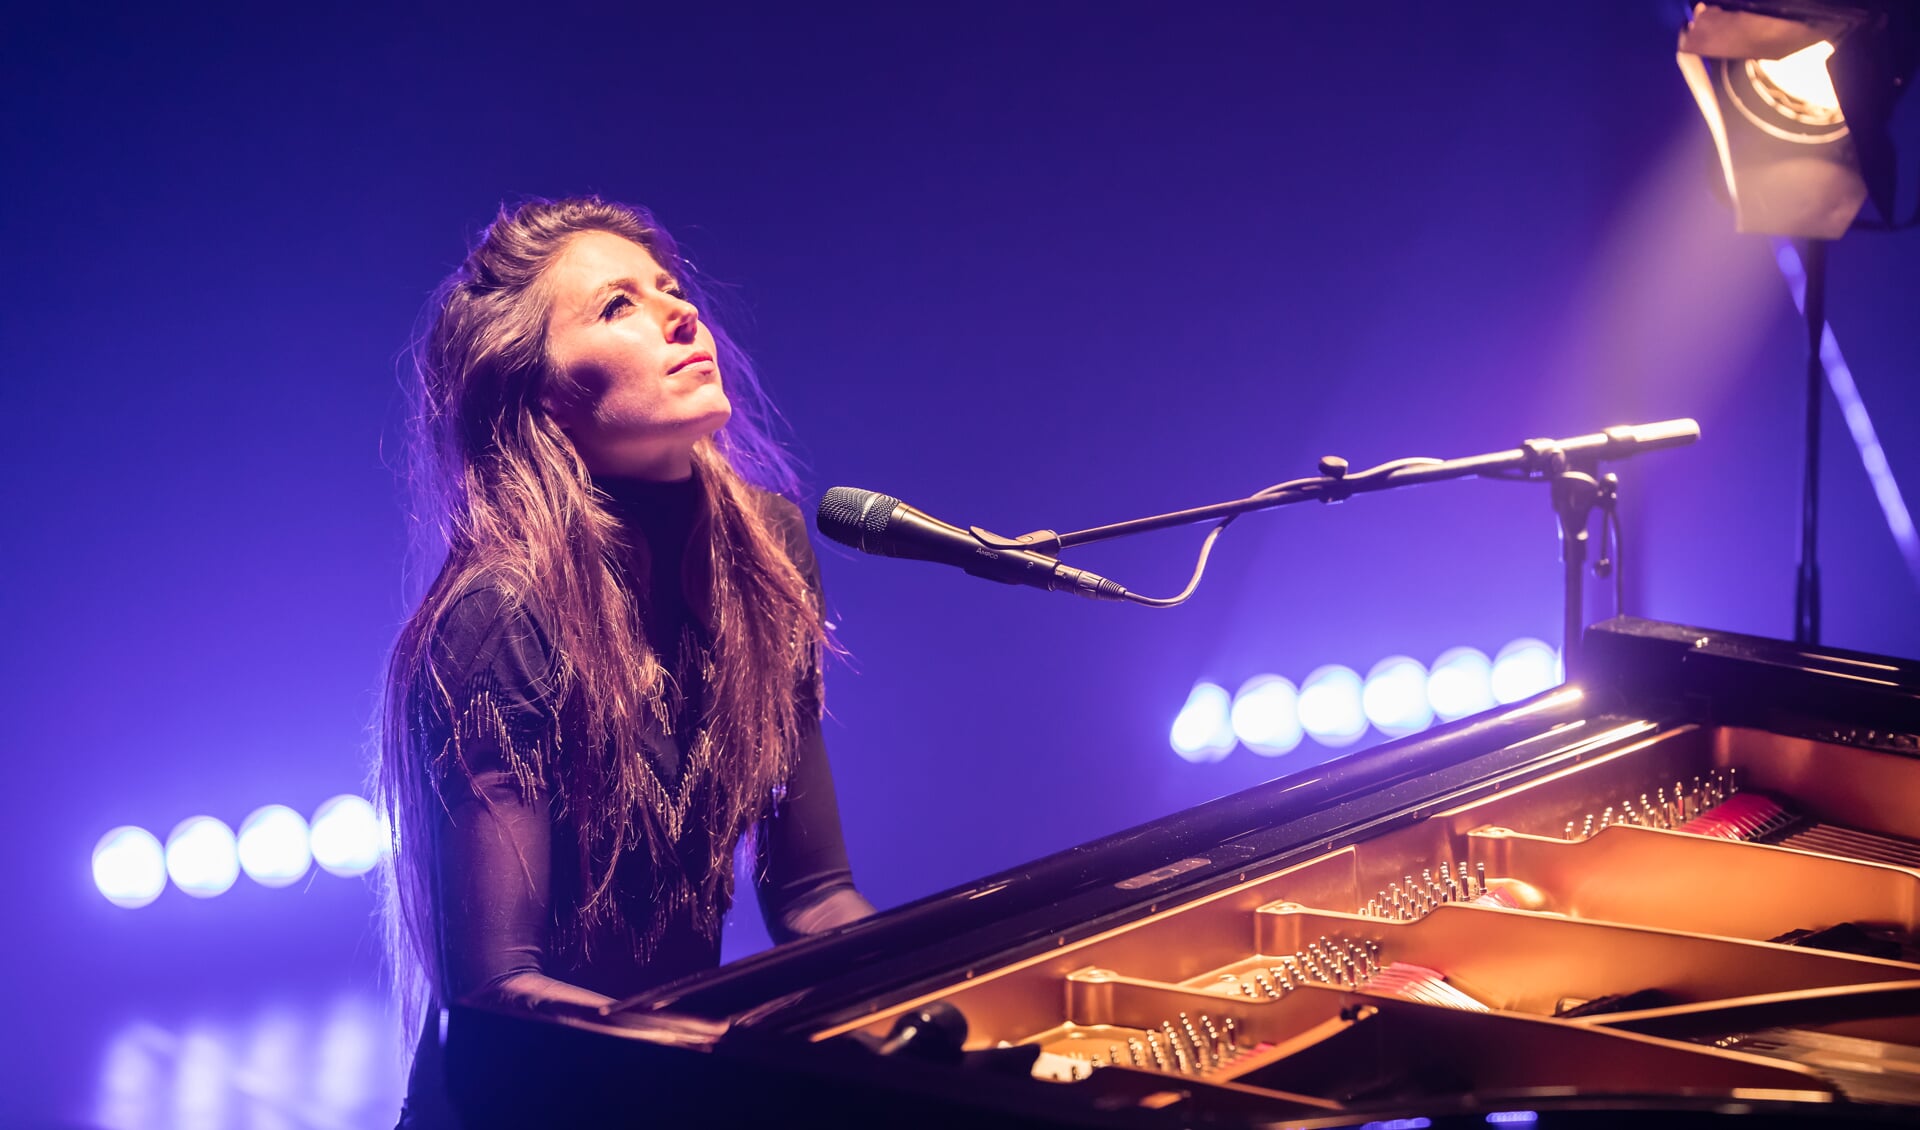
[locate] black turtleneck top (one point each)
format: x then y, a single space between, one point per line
498 865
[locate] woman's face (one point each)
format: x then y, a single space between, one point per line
640 384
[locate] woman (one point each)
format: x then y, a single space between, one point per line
614 679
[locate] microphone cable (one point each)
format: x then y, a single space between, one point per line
1275 491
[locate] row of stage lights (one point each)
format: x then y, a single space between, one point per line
1334 705
275 846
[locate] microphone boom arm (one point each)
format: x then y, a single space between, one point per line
1540 459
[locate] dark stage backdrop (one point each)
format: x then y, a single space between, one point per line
1021 264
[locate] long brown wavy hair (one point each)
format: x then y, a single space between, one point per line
502 493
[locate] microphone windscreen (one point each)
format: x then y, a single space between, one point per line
850 515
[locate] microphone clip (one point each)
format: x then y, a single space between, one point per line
1039 541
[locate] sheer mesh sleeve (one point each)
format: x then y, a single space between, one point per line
495 732
805 882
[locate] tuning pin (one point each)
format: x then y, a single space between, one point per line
1134 1052
1232 1037
1113 1054
1280 974
1159 1054
1194 1043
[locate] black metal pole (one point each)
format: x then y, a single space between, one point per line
1575 492
1806 600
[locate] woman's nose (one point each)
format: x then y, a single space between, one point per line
682 321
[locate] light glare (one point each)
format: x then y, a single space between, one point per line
348 837
1330 706
1395 696
1803 79
201 857
129 866
1266 715
1523 669
1203 730
273 846
1460 683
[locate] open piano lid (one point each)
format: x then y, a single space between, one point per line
1688 888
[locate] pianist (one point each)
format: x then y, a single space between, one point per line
613 680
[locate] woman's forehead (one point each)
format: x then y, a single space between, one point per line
594 258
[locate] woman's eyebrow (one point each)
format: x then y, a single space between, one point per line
615 284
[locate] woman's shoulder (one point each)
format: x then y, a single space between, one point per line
488 629
786 521
777 510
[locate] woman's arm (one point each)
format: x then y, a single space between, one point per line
804 882
492 835
803 879
492 849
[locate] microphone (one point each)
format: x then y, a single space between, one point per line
883 525
1632 439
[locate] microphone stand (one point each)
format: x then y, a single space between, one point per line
1570 466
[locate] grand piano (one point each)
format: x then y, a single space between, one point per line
1685 890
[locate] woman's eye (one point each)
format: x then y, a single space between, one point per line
615 304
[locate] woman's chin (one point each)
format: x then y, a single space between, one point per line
654 455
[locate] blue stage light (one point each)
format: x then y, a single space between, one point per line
1330 707
201 857
1522 669
1266 715
1460 683
1395 696
1203 730
273 846
130 866
348 837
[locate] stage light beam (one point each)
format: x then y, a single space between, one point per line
1266 715
348 837
1203 730
1460 683
1330 706
1523 669
1395 697
130 867
202 858
273 846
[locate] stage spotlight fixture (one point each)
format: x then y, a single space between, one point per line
1395 697
1797 95
1203 730
1460 683
273 846
348 837
1266 715
1523 669
201 857
1330 708
130 866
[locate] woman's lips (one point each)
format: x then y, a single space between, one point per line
692 359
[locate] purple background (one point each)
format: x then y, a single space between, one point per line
1020 264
